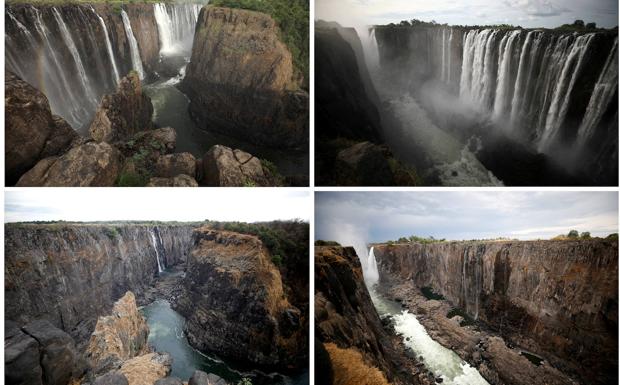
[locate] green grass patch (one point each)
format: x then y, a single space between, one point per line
430 294
467 320
533 358
132 179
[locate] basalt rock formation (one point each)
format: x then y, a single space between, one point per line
69 274
557 299
235 304
241 81
225 167
347 322
32 132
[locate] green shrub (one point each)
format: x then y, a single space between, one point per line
326 243
131 179
111 232
430 294
276 259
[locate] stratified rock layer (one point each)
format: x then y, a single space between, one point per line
560 294
240 79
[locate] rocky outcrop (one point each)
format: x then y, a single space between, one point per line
225 167
364 164
201 378
89 164
177 181
123 113
170 165
31 131
69 274
39 353
346 317
119 336
557 299
241 82
147 368
234 302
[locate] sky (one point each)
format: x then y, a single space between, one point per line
358 218
526 13
89 204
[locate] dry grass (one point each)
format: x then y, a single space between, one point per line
350 369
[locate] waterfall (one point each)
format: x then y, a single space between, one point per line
133 46
176 24
504 83
108 46
372 272
154 241
371 50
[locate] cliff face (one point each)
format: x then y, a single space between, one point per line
240 79
71 274
345 316
235 305
561 294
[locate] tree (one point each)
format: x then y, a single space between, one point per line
585 235
573 234
591 26
579 23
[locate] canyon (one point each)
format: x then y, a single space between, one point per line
85 281
75 57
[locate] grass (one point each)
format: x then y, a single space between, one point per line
350 369
430 294
293 18
467 320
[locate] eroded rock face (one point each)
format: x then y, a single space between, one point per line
147 368
234 301
364 164
71 274
240 79
119 336
345 315
201 378
225 167
556 298
89 164
31 131
123 113
170 165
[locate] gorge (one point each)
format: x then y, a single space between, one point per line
475 105
249 321
74 54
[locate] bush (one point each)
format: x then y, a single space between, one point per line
326 243
276 259
573 234
111 232
585 235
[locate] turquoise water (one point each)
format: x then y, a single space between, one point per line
166 335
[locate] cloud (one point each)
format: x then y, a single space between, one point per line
540 8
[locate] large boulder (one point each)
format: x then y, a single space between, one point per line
123 113
170 165
89 164
241 79
32 132
111 378
225 167
201 378
364 164
176 181
147 368
119 336
169 381
21 357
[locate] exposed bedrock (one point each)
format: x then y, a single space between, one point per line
349 325
241 81
556 298
235 302
71 274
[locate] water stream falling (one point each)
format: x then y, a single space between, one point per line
176 24
108 46
155 246
133 45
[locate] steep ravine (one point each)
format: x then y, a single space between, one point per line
557 299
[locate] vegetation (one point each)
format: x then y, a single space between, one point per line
293 18
321 242
111 232
466 321
430 294
575 235
132 179
349 367
417 239
244 381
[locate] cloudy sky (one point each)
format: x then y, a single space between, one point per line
526 13
88 204
357 218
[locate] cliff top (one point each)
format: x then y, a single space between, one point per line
500 241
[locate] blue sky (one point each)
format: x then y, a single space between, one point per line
90 204
526 13
357 218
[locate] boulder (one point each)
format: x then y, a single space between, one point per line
147 368
169 381
112 378
225 167
21 357
32 132
119 336
89 164
364 164
123 113
177 181
201 378
167 166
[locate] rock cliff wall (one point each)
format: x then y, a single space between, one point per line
71 274
241 82
560 294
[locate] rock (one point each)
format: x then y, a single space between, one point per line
113 378
241 80
59 358
121 335
164 140
31 131
177 181
21 357
363 164
123 113
227 168
147 368
229 274
90 164
169 381
438 380
202 378
170 165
